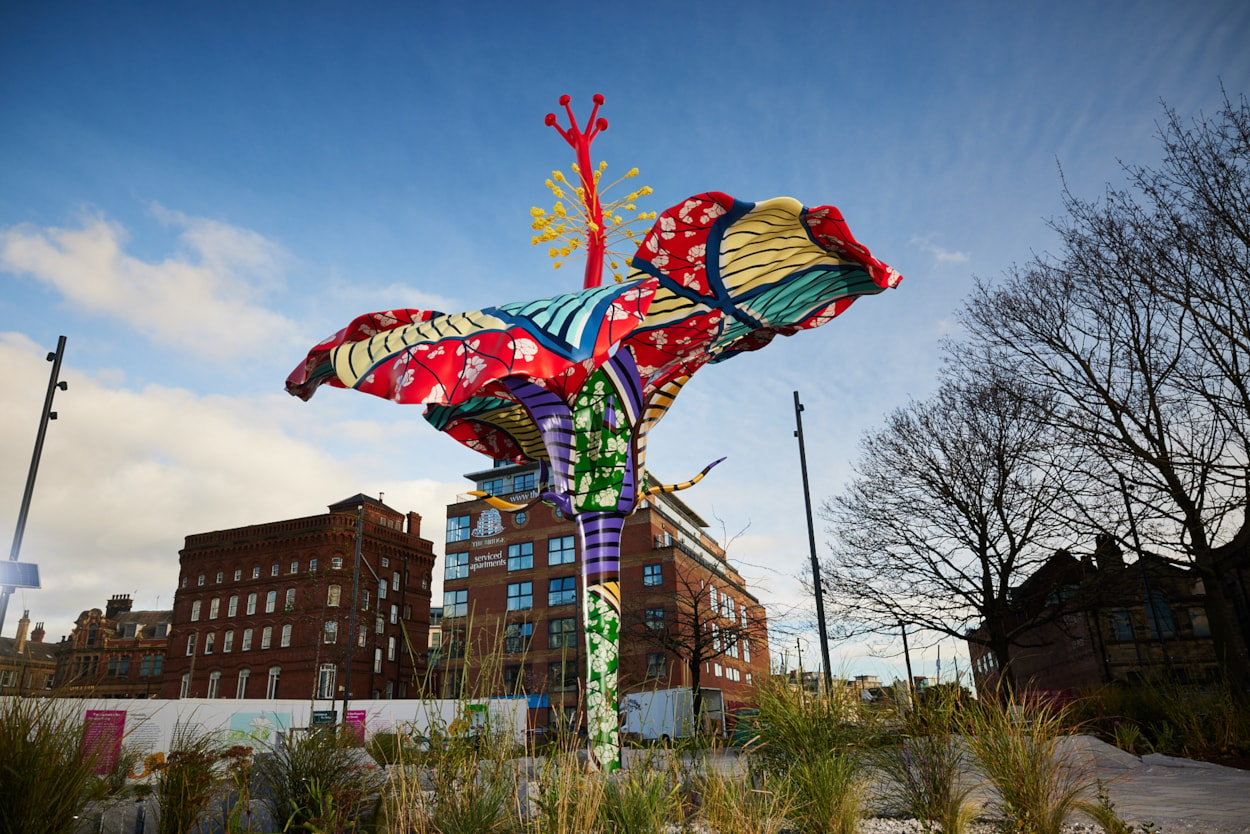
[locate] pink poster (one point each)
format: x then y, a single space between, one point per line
354 719
102 733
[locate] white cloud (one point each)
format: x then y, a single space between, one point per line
942 256
126 475
205 299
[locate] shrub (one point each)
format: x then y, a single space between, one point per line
316 781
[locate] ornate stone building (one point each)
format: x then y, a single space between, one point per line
27 664
114 653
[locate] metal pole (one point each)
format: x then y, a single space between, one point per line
811 538
911 681
48 414
351 618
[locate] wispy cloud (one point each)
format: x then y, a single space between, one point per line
205 299
942 256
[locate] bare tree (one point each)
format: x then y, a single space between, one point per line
1138 329
954 504
695 619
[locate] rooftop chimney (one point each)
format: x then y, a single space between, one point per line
19 642
118 604
414 524
36 636
1107 553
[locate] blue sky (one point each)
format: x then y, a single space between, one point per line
194 194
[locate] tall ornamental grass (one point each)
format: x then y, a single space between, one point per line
44 773
926 773
1040 780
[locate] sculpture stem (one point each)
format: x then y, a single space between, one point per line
600 534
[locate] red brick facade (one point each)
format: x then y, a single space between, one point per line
512 600
266 611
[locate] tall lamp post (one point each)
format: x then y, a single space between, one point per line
18 574
811 538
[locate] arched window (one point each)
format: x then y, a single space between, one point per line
334 595
271 688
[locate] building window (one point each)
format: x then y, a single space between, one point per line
520 596
385 562
653 574
214 608
200 579
653 618
285 639
394 614
227 642
746 651
331 632
364 599
517 637
561 550
238 574
1198 619
312 565
456 566
251 604
717 670
562 633
1122 625
256 571
209 640
523 482
458 528
657 665
195 611
379 624
381 589
220 577
362 636
456 603
190 644
294 567
186 686
562 676
183 583
334 595
390 648
395 580
713 599
149 666
1159 616
562 590
336 563
213 681
271 601
240 689
325 680
266 637
271 688
232 606
521 556
246 645
377 661
493 486
160 630
273 569
514 678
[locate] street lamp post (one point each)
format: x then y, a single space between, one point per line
811 538
48 414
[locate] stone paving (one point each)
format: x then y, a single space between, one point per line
1177 795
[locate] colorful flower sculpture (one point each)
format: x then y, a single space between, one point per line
576 382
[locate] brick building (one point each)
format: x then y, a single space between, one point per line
27 664
267 611
512 618
114 653
1100 620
